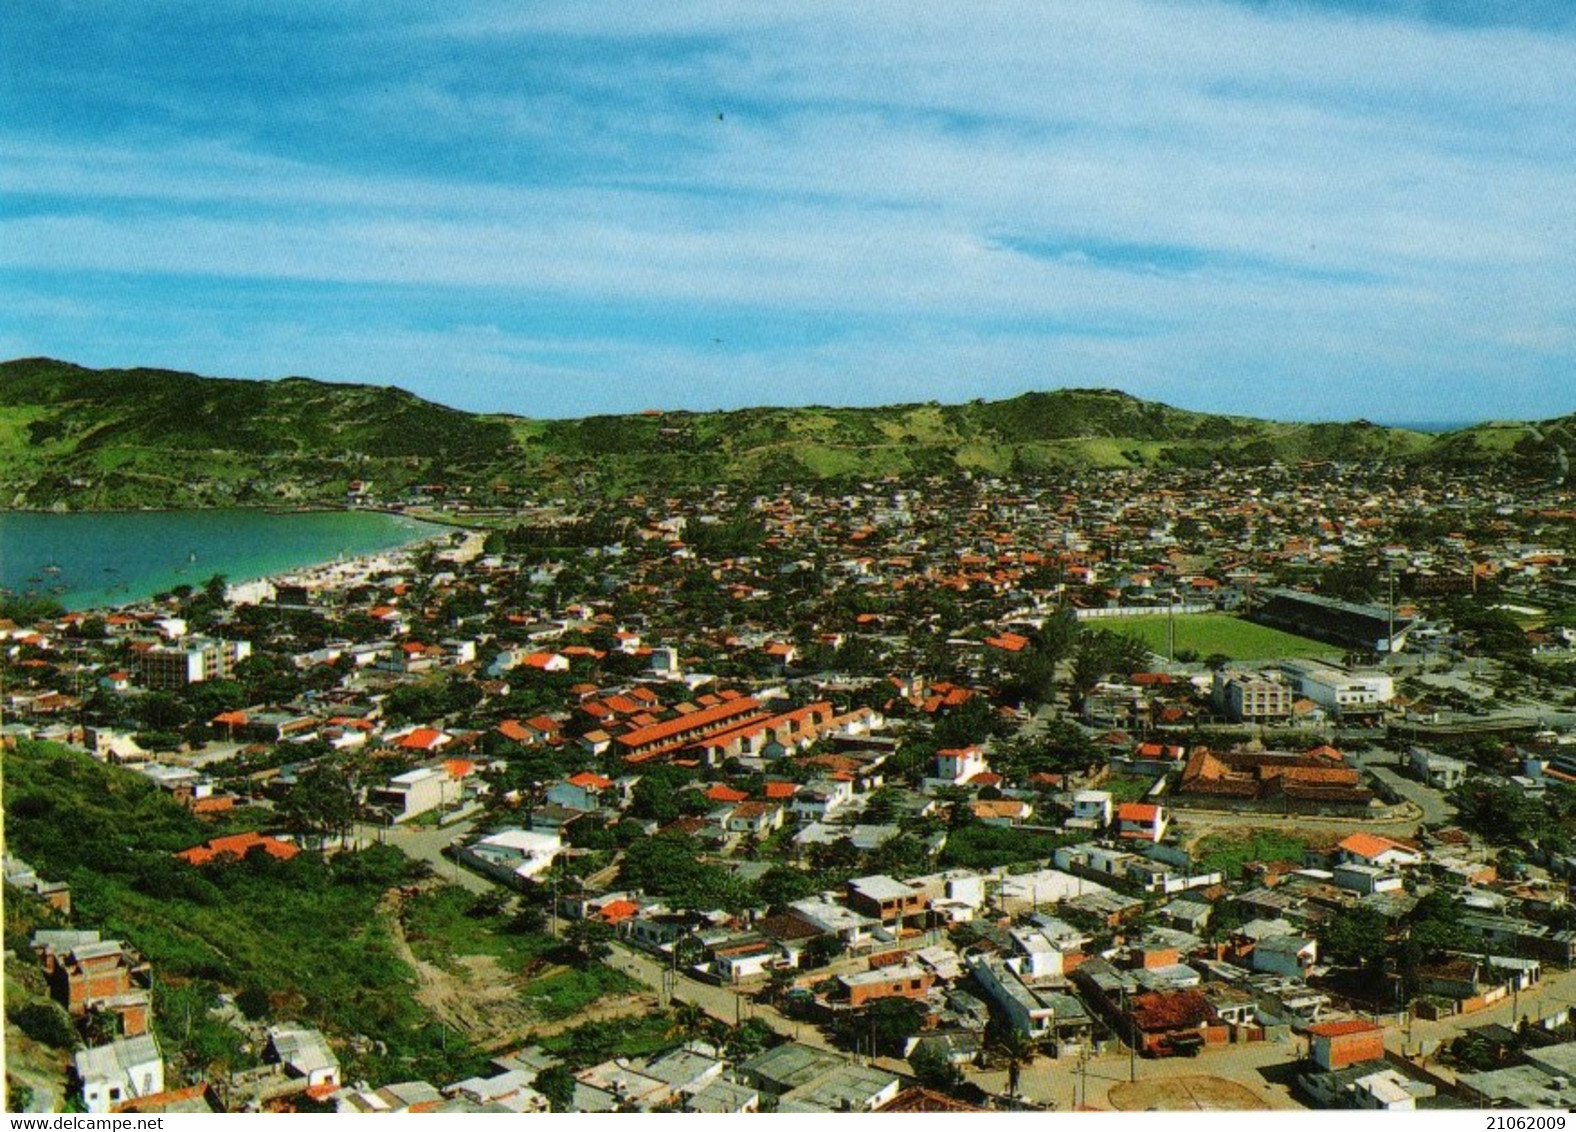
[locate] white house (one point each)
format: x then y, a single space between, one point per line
849 926
1440 771
1372 849
957 765
417 791
514 853
1287 955
123 1070
1366 878
820 799
1092 809
304 1053
1142 821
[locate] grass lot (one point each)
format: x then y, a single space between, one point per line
1209 633
1228 853
627 1037
442 925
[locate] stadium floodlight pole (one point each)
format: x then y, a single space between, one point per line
1171 627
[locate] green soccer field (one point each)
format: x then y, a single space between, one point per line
1209 633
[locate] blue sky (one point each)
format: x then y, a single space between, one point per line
1283 208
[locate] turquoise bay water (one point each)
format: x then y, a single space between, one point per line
91 559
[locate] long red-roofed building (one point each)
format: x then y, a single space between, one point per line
670 735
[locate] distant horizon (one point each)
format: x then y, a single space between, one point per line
1318 209
1433 426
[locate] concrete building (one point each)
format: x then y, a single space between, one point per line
1286 955
1252 699
955 766
416 792
1365 1085
1142 821
304 1053
898 981
513 854
848 1088
1440 771
1371 627
123 1070
172 667
890 901
1092 809
1338 691
1036 1007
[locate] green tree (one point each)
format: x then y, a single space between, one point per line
821 950
890 1022
324 801
934 1069
781 885
253 1002
46 1023
1356 937
589 940
163 711
557 1084
213 589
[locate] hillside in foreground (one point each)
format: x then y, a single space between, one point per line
79 438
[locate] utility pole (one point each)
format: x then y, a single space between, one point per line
1171 628
1132 1041
1389 645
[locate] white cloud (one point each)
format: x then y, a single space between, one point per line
1331 187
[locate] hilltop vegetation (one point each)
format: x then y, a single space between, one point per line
81 438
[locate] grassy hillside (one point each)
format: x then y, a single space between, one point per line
108 438
307 933
79 438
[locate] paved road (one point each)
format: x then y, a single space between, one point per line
1436 810
722 1003
426 843
1555 992
1266 1069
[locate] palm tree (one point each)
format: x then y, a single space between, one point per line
692 1021
1017 1049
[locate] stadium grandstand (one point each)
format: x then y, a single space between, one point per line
1373 628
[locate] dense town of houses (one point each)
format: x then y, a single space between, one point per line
844 684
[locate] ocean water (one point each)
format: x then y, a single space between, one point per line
84 560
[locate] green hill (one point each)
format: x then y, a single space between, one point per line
80 438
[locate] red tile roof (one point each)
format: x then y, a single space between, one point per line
686 726
238 845
1342 1029
616 911
421 739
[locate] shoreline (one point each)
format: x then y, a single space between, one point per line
416 533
